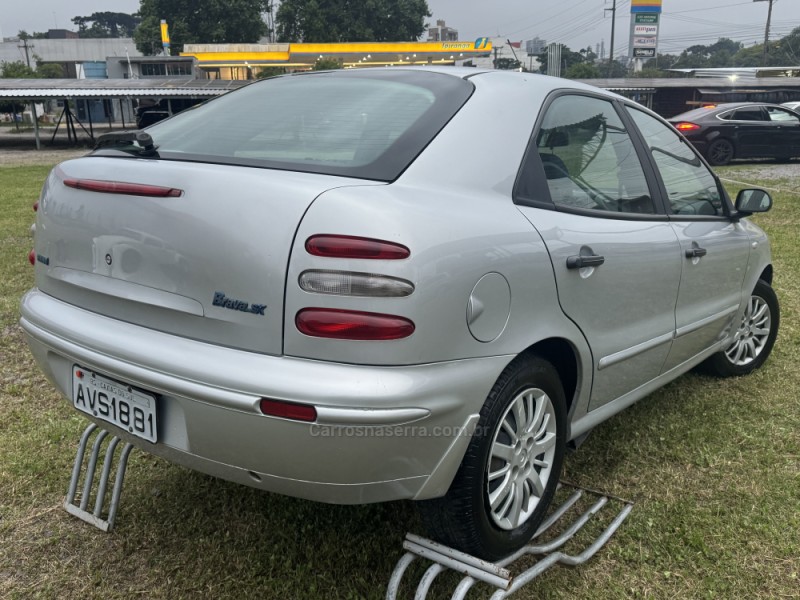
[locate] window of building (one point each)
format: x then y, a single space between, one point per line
154 70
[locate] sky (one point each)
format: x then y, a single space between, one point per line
576 23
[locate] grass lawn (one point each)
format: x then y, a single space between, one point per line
713 467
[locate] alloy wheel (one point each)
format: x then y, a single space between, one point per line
521 458
751 337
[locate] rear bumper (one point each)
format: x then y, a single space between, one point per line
701 144
383 433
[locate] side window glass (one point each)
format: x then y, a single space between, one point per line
779 114
691 188
749 114
589 159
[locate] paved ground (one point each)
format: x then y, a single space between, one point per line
32 157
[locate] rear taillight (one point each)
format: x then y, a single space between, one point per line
685 126
348 283
348 246
352 325
36 206
120 187
288 410
32 257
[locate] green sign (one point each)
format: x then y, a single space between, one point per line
646 18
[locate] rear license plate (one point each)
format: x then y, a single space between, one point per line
115 402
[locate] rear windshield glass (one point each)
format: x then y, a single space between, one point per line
692 114
362 124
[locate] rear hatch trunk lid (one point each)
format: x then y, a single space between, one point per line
209 264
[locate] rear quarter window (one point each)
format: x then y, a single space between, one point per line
369 125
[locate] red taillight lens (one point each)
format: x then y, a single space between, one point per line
685 126
352 324
348 246
288 410
36 206
120 187
32 257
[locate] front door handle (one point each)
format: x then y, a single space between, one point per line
579 262
696 252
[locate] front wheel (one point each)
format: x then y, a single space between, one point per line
510 471
754 336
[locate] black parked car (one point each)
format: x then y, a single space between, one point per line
741 130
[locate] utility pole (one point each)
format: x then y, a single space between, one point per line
766 33
27 56
34 116
613 10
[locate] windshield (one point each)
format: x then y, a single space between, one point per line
366 124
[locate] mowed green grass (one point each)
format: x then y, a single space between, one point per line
712 466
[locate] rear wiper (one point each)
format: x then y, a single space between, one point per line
143 139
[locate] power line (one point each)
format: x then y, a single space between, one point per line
542 21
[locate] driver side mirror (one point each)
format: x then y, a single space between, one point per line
753 201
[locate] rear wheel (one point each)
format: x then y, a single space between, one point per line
720 152
754 337
509 474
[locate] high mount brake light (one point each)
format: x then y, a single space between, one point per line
120 187
348 246
686 126
352 325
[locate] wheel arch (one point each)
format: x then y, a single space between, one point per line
766 274
561 353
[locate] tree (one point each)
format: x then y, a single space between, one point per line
36 35
327 64
106 25
719 54
583 71
266 72
617 70
507 64
217 22
662 61
16 70
49 71
19 70
347 21
568 58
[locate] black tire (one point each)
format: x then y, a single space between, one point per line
720 152
464 518
754 338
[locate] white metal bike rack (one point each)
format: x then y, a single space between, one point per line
81 510
443 558
496 574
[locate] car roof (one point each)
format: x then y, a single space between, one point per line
715 109
499 77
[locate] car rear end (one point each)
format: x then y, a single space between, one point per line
698 125
233 301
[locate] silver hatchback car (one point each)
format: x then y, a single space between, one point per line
369 285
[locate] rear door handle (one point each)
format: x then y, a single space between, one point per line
579 262
696 252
